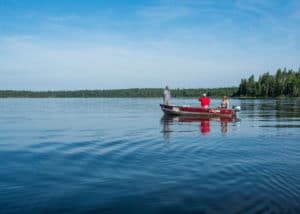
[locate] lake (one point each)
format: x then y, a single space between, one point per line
123 156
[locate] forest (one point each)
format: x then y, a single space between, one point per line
135 92
283 84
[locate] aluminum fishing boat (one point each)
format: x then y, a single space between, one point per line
188 110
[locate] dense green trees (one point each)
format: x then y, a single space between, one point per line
283 83
135 92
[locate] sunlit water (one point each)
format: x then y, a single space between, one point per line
123 156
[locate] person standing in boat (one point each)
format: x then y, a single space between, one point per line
224 103
205 101
167 96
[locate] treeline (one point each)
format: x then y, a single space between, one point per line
135 92
283 83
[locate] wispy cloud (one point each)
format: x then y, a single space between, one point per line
52 64
163 13
94 64
176 10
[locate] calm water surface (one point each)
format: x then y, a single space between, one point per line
122 155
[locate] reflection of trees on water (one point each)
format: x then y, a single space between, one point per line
268 108
204 123
288 108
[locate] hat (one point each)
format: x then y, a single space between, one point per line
204 94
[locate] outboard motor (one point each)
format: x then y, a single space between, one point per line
237 108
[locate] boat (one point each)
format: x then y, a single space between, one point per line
188 110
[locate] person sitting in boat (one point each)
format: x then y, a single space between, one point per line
224 103
205 101
167 96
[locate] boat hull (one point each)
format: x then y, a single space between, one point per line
187 110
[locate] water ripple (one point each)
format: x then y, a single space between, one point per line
118 158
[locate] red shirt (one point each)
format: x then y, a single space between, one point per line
205 101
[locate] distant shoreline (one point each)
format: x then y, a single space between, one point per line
132 93
284 84
119 93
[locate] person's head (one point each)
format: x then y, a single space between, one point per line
224 97
167 87
204 95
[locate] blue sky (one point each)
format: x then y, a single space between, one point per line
89 44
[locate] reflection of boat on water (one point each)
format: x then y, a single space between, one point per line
181 118
198 111
204 121
199 118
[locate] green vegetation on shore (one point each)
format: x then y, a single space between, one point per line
283 84
135 92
